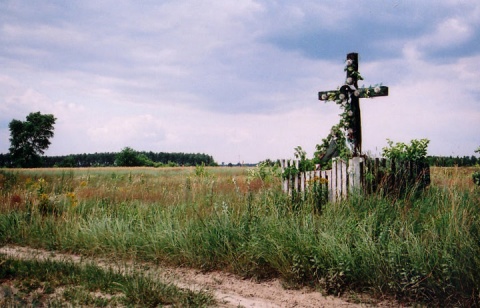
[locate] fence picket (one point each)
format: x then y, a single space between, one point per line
328 176
334 181
344 179
359 174
303 181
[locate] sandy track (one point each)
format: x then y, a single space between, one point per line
228 289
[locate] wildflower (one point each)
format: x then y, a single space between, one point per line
44 197
377 89
317 179
72 198
224 206
83 183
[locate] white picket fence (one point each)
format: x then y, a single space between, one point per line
343 178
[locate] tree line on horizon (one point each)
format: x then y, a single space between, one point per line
110 159
451 161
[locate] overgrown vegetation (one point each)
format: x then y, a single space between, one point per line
420 248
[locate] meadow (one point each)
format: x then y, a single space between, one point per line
420 248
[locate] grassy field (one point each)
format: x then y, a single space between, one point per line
422 249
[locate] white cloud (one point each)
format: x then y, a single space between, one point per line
435 101
120 131
446 34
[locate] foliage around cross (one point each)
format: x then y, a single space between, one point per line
340 131
416 151
337 133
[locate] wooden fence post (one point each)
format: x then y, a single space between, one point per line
329 176
343 170
355 174
295 180
283 163
334 179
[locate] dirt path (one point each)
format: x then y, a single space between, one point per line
228 289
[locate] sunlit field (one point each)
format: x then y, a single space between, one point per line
422 248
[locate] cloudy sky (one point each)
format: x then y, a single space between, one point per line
238 79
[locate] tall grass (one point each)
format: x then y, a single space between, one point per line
421 248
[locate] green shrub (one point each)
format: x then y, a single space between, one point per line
476 174
128 157
476 178
415 151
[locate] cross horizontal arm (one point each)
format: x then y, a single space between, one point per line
360 93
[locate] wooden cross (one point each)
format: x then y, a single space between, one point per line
349 94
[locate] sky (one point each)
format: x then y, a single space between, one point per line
239 79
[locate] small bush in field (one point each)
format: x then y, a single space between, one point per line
476 178
476 174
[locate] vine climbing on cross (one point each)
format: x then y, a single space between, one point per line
348 96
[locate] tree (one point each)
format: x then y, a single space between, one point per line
68 161
30 139
128 157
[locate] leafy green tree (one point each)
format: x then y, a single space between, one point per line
29 139
68 161
128 157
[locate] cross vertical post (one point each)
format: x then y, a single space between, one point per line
349 97
356 125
